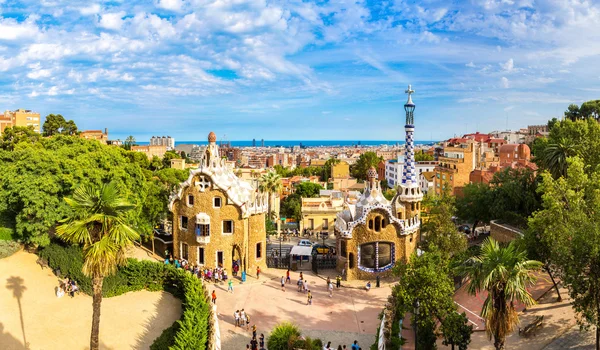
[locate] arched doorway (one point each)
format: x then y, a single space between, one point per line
237 257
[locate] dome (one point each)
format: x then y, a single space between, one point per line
372 173
212 137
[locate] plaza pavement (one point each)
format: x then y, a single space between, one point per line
351 314
30 313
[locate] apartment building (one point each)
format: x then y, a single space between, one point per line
167 141
20 117
455 166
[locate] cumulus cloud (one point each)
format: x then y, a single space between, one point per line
112 20
10 29
508 65
92 9
172 5
504 82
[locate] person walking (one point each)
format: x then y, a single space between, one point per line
254 331
300 285
338 281
230 286
261 341
355 345
258 272
328 346
247 322
253 344
282 284
287 277
330 288
305 286
309 298
328 281
301 275
236 316
214 297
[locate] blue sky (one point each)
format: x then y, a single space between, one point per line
307 70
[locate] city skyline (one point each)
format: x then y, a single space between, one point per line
286 70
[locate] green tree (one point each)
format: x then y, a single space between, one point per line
505 273
591 109
156 163
291 207
573 112
440 231
421 156
129 141
364 162
12 136
56 124
99 224
425 281
554 157
514 196
308 189
475 203
568 224
330 163
456 330
270 183
538 249
166 159
284 337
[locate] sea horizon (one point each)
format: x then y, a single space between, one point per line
306 143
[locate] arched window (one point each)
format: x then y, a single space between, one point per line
377 223
383 223
376 256
371 224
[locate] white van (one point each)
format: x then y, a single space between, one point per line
305 243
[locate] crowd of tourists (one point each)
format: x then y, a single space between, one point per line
67 286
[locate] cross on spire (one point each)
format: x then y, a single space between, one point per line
409 91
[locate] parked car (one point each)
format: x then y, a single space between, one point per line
323 249
305 243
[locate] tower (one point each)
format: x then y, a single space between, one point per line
409 190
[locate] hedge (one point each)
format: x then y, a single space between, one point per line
194 328
8 248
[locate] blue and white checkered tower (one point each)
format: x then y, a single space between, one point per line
409 190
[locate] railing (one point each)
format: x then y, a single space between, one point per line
324 262
451 159
278 262
202 239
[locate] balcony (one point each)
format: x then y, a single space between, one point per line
443 159
202 239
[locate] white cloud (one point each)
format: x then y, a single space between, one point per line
53 91
470 65
504 82
33 94
508 65
112 20
39 73
92 9
10 29
173 5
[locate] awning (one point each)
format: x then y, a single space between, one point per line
301 250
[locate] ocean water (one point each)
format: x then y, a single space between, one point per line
310 143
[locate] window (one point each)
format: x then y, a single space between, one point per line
227 227
443 177
351 260
437 175
383 223
371 224
311 224
259 250
203 230
325 224
184 251
376 256
217 202
377 223
190 200
183 222
343 247
200 257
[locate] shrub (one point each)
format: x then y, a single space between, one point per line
283 337
6 234
67 261
8 248
166 338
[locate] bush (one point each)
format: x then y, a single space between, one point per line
283 337
192 331
6 234
8 248
166 338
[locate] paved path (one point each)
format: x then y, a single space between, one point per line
574 339
352 313
31 313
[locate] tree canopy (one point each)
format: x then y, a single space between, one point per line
364 162
56 124
440 231
421 156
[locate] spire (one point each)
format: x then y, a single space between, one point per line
410 190
409 106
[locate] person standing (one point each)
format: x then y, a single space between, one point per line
328 281
338 281
230 286
242 318
253 344
287 277
261 341
254 331
330 288
247 322
214 297
282 284
300 285
355 345
301 275
309 298
258 272
236 316
305 286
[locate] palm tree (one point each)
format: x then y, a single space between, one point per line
505 273
554 157
270 183
99 224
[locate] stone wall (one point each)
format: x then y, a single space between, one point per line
504 233
239 245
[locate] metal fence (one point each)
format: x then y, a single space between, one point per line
323 263
278 262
